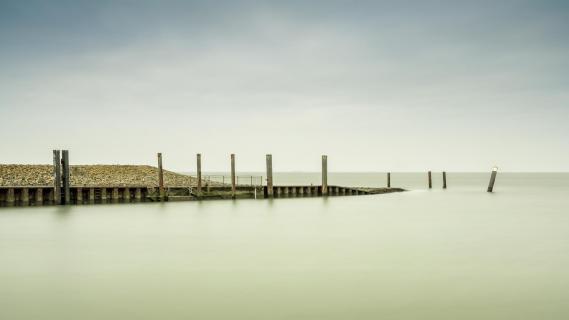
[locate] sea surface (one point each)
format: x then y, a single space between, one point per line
459 253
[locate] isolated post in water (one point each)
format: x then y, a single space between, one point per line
430 180
66 176
270 175
57 176
233 186
199 172
492 179
444 180
160 176
324 175
389 179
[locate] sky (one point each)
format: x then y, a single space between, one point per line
375 85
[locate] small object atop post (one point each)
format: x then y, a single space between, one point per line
492 179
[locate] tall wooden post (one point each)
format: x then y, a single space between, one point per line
389 179
444 180
160 176
270 175
199 172
57 177
430 180
66 176
324 175
492 179
233 186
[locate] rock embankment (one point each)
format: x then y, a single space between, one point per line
91 175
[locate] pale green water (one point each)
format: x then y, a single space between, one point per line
455 254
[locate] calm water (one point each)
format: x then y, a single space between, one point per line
455 254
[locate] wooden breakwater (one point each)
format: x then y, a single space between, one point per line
67 185
42 195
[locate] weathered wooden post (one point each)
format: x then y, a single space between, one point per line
57 176
444 180
91 195
79 195
138 195
324 175
233 186
430 180
103 195
66 176
199 172
126 194
10 197
39 196
270 175
389 179
492 179
160 177
25 197
115 195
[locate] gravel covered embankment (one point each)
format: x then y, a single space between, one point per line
91 175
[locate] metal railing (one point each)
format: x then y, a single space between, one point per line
253 181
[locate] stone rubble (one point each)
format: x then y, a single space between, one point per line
92 175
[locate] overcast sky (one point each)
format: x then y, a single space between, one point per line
377 86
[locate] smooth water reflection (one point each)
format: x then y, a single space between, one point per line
455 254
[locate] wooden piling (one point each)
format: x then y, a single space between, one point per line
79 195
10 197
57 176
104 195
430 180
160 177
233 185
199 172
389 179
492 179
138 195
65 176
126 194
324 175
39 196
91 195
115 195
444 180
50 196
25 197
269 175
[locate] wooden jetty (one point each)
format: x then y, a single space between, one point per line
63 192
